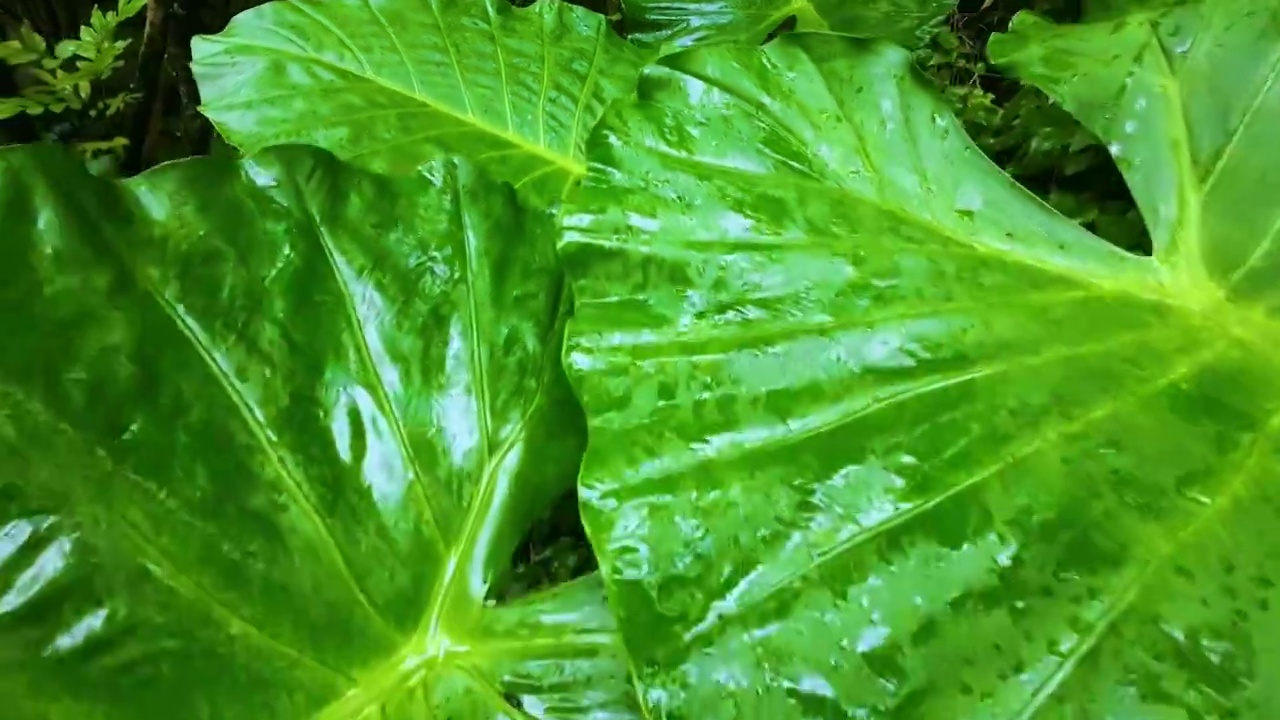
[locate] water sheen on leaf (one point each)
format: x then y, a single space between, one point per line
677 24
875 433
1188 103
270 429
385 83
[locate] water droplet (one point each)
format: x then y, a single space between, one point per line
968 201
1182 44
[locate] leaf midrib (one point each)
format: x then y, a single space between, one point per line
164 570
1132 589
406 666
1187 289
1006 457
284 471
1143 286
380 394
570 165
429 643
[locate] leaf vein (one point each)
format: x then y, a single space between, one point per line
382 397
284 471
1132 590
825 555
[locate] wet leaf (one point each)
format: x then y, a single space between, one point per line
385 83
677 24
269 431
875 433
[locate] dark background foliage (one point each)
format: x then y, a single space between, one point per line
1024 133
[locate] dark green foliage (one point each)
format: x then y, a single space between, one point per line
162 121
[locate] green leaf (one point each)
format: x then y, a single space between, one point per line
1184 98
1094 10
875 433
270 430
676 24
32 40
12 53
385 82
128 8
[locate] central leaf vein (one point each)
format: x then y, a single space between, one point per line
844 545
1124 599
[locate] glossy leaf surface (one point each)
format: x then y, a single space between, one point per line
1095 10
270 430
875 433
675 24
1184 98
384 83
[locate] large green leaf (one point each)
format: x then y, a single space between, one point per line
386 82
1094 10
874 433
270 430
1188 103
675 24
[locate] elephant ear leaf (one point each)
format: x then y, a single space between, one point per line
1187 100
270 431
385 83
677 24
875 433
